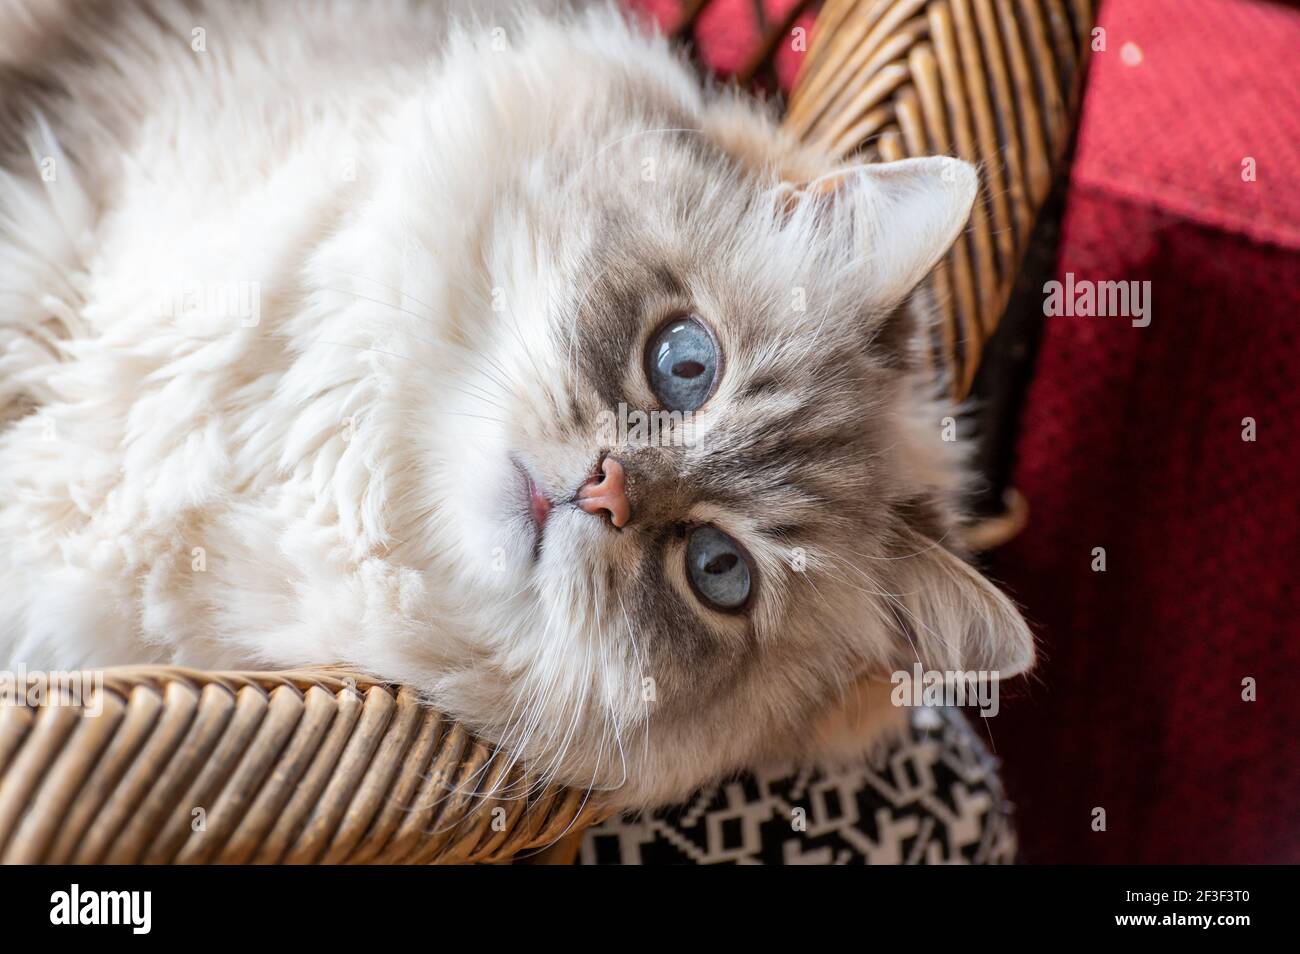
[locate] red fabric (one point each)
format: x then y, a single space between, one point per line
1132 441
728 31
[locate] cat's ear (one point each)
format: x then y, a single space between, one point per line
904 216
944 614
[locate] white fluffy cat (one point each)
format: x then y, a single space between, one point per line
311 316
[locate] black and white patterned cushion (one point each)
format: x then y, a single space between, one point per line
932 797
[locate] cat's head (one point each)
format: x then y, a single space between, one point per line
692 483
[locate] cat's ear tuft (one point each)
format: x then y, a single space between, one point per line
905 216
944 614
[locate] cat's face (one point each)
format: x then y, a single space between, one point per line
688 488
702 488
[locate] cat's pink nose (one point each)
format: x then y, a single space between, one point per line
607 492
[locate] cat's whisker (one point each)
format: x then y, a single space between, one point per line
580 710
439 345
640 681
433 312
479 354
375 301
598 273
514 327
530 720
367 348
610 709
524 727
495 367
446 346
474 391
507 749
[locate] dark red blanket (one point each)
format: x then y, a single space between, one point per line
1133 441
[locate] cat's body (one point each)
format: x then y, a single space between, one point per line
304 306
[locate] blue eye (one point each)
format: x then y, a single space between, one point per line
718 569
682 362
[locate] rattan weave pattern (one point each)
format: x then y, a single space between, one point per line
168 765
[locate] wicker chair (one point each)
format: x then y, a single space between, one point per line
325 766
